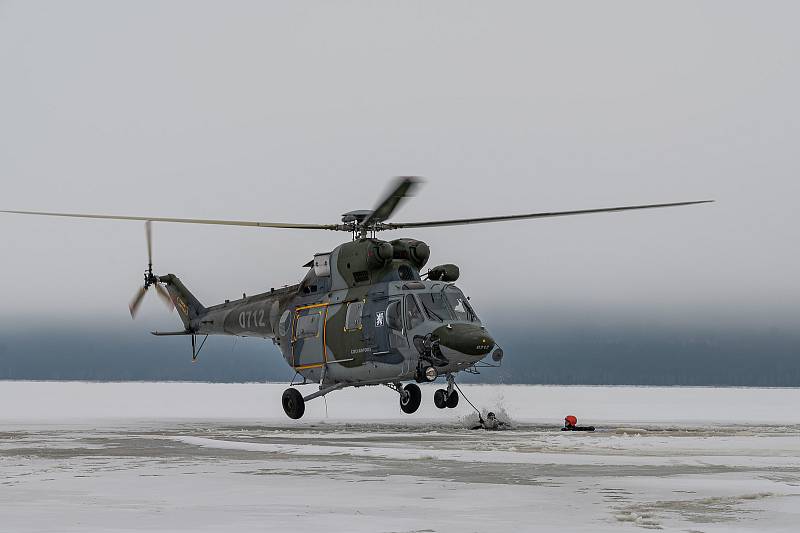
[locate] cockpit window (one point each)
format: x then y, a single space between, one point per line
393 317
459 305
435 306
413 315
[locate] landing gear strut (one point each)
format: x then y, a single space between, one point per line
446 397
294 403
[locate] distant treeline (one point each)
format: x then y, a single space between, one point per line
540 355
598 356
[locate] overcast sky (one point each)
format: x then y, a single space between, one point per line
301 111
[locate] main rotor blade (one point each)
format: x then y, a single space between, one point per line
402 189
501 218
186 220
149 235
137 300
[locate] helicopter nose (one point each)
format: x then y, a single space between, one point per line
466 338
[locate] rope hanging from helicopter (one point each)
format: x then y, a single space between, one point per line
480 417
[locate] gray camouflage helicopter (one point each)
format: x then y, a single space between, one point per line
364 314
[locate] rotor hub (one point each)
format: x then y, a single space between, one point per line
356 217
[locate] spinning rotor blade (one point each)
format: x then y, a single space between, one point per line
402 189
149 236
184 220
501 218
164 295
149 279
137 301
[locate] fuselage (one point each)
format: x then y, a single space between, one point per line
361 315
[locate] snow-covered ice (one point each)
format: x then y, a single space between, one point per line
210 457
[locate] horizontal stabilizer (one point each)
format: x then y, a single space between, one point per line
169 333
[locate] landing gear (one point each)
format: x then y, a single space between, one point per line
410 398
440 398
446 397
293 403
452 400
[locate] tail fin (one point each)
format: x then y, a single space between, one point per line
189 308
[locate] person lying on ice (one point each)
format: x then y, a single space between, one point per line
491 423
571 424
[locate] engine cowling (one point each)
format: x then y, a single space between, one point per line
379 254
417 252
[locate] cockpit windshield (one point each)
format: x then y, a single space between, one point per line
447 303
435 305
459 305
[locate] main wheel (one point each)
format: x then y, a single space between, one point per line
293 403
411 398
440 398
452 400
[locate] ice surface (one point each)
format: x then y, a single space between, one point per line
205 457
627 406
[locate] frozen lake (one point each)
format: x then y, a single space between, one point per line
189 457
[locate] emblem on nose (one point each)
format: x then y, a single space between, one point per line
465 338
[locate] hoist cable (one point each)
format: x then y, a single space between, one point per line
480 417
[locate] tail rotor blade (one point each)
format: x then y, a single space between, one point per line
164 295
137 300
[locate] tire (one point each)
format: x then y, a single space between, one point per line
409 402
452 400
293 403
440 398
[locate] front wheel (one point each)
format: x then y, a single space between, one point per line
452 399
293 403
410 398
440 398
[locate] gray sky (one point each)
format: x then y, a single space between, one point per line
300 111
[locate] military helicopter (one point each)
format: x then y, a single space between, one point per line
364 314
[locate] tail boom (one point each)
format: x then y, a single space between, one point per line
189 308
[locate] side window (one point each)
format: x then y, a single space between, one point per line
394 317
413 314
307 326
285 322
352 320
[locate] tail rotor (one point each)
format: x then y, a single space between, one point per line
150 280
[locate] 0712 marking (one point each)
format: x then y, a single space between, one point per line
252 318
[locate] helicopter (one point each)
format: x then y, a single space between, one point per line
366 312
